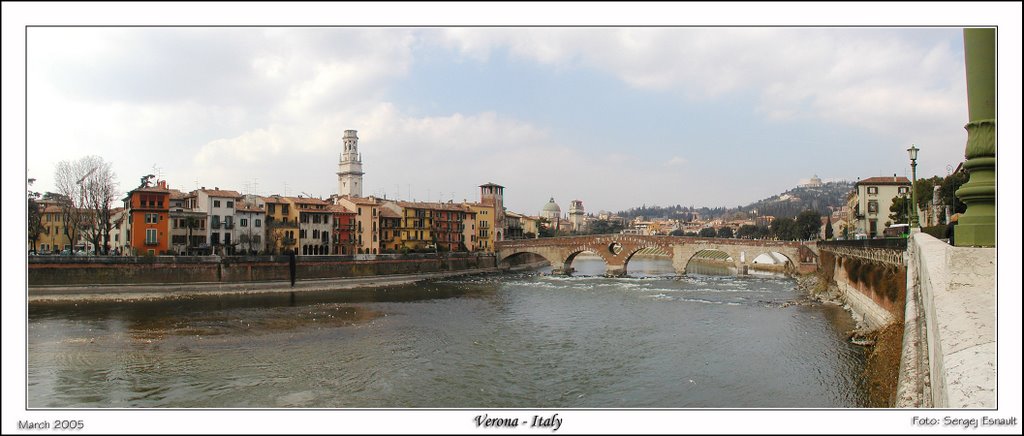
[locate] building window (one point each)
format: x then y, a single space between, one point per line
216 203
903 190
872 190
151 218
215 238
872 206
151 237
257 223
243 222
231 204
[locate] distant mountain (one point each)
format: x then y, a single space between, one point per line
790 203
785 205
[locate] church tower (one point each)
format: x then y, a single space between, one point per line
350 166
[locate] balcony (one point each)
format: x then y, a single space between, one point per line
229 226
215 225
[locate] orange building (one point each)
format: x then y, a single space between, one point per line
148 211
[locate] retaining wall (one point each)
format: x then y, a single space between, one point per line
69 271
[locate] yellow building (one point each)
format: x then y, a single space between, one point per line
282 225
485 231
54 237
367 228
432 226
531 226
390 227
469 229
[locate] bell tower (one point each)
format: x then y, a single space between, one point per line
350 166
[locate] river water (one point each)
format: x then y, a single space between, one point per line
522 340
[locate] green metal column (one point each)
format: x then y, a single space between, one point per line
977 226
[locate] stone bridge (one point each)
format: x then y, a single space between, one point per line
617 249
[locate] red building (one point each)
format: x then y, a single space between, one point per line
148 210
343 234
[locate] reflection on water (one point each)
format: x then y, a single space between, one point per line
517 340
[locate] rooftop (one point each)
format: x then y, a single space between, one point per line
884 181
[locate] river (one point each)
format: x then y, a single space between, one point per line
522 340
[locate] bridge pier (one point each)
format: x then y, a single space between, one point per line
562 271
615 271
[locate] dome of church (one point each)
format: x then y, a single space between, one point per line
551 210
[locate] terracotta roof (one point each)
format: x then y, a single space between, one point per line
150 189
431 206
177 195
362 200
884 181
221 193
306 200
388 213
337 208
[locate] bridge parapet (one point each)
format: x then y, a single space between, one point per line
617 249
888 251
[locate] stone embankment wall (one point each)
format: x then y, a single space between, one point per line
70 271
871 280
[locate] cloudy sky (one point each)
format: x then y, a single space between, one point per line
614 116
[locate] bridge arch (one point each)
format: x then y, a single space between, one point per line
728 257
789 258
573 253
552 258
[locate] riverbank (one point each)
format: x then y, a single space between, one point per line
135 292
885 344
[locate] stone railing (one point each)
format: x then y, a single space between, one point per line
888 251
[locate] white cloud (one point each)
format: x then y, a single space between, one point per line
869 78
675 161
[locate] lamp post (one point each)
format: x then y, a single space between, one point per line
912 151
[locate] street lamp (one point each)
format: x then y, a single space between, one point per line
912 151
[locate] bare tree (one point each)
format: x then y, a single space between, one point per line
87 187
100 192
71 197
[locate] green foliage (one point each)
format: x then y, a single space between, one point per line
900 210
923 190
808 224
748 231
948 192
937 232
707 232
785 229
828 228
725 232
604 227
